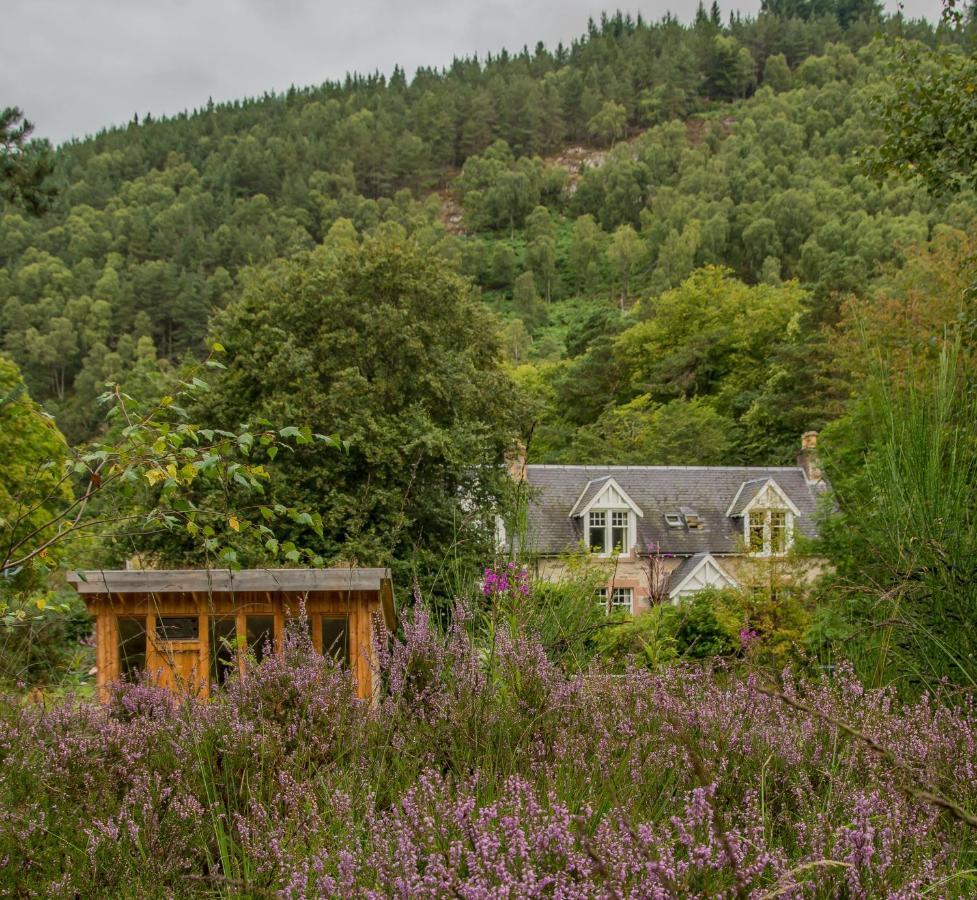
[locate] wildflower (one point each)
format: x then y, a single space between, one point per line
747 637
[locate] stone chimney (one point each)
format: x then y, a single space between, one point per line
515 461
807 459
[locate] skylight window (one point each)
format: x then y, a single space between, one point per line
691 517
674 520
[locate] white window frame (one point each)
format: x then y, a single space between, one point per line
609 526
597 521
622 598
767 548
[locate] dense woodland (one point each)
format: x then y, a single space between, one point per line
734 146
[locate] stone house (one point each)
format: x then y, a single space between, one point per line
666 532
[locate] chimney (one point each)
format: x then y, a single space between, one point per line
807 459
515 461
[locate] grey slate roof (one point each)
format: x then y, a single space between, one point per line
748 491
589 492
658 490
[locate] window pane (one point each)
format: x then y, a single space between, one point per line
132 645
223 648
598 540
178 628
598 532
778 531
261 635
621 598
757 522
619 531
335 638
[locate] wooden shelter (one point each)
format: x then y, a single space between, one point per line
190 627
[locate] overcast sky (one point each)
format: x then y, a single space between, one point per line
77 65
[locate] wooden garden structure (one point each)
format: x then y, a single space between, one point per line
188 628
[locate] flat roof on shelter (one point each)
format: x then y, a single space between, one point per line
224 581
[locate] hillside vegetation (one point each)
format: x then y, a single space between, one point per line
157 223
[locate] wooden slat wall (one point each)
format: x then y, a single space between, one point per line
361 606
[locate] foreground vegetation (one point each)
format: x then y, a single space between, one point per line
491 766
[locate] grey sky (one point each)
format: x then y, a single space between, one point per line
77 65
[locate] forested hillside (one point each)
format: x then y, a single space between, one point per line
721 143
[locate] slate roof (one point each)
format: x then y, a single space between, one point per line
658 490
748 491
590 491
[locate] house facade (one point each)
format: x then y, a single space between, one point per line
666 532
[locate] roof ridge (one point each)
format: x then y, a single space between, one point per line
591 467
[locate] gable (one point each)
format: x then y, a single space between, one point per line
760 494
604 493
698 572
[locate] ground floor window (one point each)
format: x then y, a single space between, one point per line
223 647
621 598
602 598
132 645
260 634
335 637
178 628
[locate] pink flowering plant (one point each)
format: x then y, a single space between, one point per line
505 581
491 771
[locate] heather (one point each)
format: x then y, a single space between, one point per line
489 766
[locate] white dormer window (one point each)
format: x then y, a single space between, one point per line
597 531
609 517
769 531
619 531
768 516
608 531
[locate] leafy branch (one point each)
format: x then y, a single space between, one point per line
158 470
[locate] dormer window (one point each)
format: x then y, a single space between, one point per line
769 531
598 531
768 516
608 516
608 531
619 530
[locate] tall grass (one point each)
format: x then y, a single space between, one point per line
911 522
